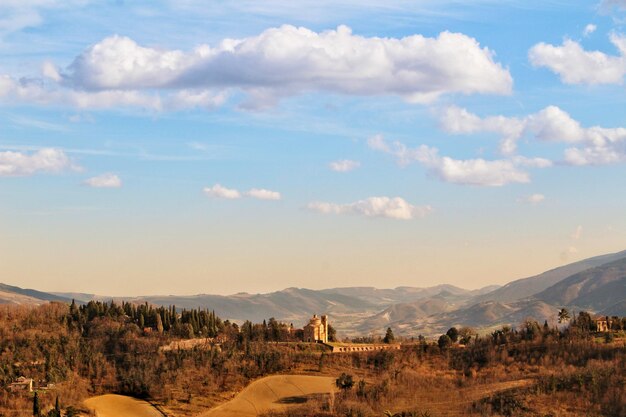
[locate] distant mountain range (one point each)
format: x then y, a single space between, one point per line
596 284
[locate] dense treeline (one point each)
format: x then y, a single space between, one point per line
187 324
103 347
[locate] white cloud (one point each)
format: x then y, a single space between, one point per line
289 60
33 91
589 29
479 172
263 194
218 191
607 5
595 145
577 66
459 121
277 63
577 234
107 180
532 199
391 208
21 14
48 160
344 165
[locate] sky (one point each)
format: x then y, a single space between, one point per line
187 146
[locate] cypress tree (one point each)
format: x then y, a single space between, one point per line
159 323
57 408
36 406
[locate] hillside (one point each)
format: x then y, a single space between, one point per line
527 287
10 294
597 284
347 306
594 289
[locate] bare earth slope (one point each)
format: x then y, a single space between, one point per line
273 393
111 405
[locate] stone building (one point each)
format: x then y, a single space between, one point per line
603 324
22 384
316 330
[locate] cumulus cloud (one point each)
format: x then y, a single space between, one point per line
575 65
277 63
593 145
457 120
289 60
218 191
107 180
344 165
46 160
386 207
589 29
263 194
479 172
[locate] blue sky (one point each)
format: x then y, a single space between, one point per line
186 146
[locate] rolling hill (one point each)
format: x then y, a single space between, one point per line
595 289
10 294
527 287
596 284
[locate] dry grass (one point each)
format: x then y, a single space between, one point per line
111 405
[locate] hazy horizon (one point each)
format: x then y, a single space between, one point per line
188 147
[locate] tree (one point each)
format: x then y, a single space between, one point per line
344 382
36 406
563 315
465 335
389 337
453 334
56 411
332 334
444 342
159 323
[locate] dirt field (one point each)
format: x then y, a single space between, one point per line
111 405
273 393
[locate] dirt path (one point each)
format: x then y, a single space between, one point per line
111 405
272 393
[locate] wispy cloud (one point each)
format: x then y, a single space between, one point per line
108 180
20 14
533 199
344 165
589 29
37 124
578 233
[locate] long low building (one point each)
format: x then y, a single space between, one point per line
358 347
